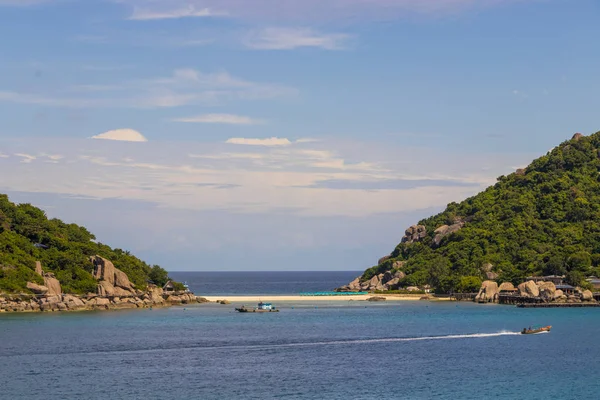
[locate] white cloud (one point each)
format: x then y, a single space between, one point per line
221 119
26 158
291 38
3 155
274 141
124 135
145 14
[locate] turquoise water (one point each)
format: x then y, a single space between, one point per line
316 350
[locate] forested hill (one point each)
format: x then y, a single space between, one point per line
27 236
544 219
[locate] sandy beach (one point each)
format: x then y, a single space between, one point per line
275 299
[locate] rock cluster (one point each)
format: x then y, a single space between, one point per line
414 234
385 281
546 291
115 291
112 281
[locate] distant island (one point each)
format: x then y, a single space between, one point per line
540 221
49 265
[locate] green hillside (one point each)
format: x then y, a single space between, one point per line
544 219
27 236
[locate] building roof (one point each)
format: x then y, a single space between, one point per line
561 287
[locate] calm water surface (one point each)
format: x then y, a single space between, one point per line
344 350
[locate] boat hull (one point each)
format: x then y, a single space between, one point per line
534 331
254 311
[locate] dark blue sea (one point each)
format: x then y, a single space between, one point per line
309 350
261 283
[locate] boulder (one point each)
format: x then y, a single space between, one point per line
446 230
392 284
224 302
38 268
121 280
558 294
354 285
104 270
376 298
399 275
529 289
73 302
506 286
547 290
491 276
414 234
383 259
587 296
577 136
488 292
105 288
387 276
37 289
412 289
52 284
398 264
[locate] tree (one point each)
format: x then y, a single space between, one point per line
158 275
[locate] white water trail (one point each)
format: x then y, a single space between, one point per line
367 341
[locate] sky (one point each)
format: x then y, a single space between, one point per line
228 135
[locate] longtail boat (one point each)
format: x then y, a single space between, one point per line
531 331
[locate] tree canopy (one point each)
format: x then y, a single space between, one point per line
27 236
544 219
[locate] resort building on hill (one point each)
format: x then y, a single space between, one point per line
594 281
556 279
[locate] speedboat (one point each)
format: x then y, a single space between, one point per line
531 331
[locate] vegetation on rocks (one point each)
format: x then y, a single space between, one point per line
27 236
544 219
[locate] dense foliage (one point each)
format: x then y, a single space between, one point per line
541 220
27 236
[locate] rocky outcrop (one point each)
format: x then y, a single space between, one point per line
547 290
488 292
376 298
414 234
38 268
104 270
506 287
388 280
122 281
446 230
528 289
587 296
383 259
37 289
67 302
52 284
577 136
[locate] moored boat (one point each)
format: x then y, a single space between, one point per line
262 307
531 331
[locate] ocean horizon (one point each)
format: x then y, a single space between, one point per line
232 283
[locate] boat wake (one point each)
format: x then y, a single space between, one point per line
407 339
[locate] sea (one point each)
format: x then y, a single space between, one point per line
308 350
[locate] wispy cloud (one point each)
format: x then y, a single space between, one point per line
229 119
145 14
294 11
184 87
274 141
124 135
292 38
26 158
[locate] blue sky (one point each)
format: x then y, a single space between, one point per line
281 135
